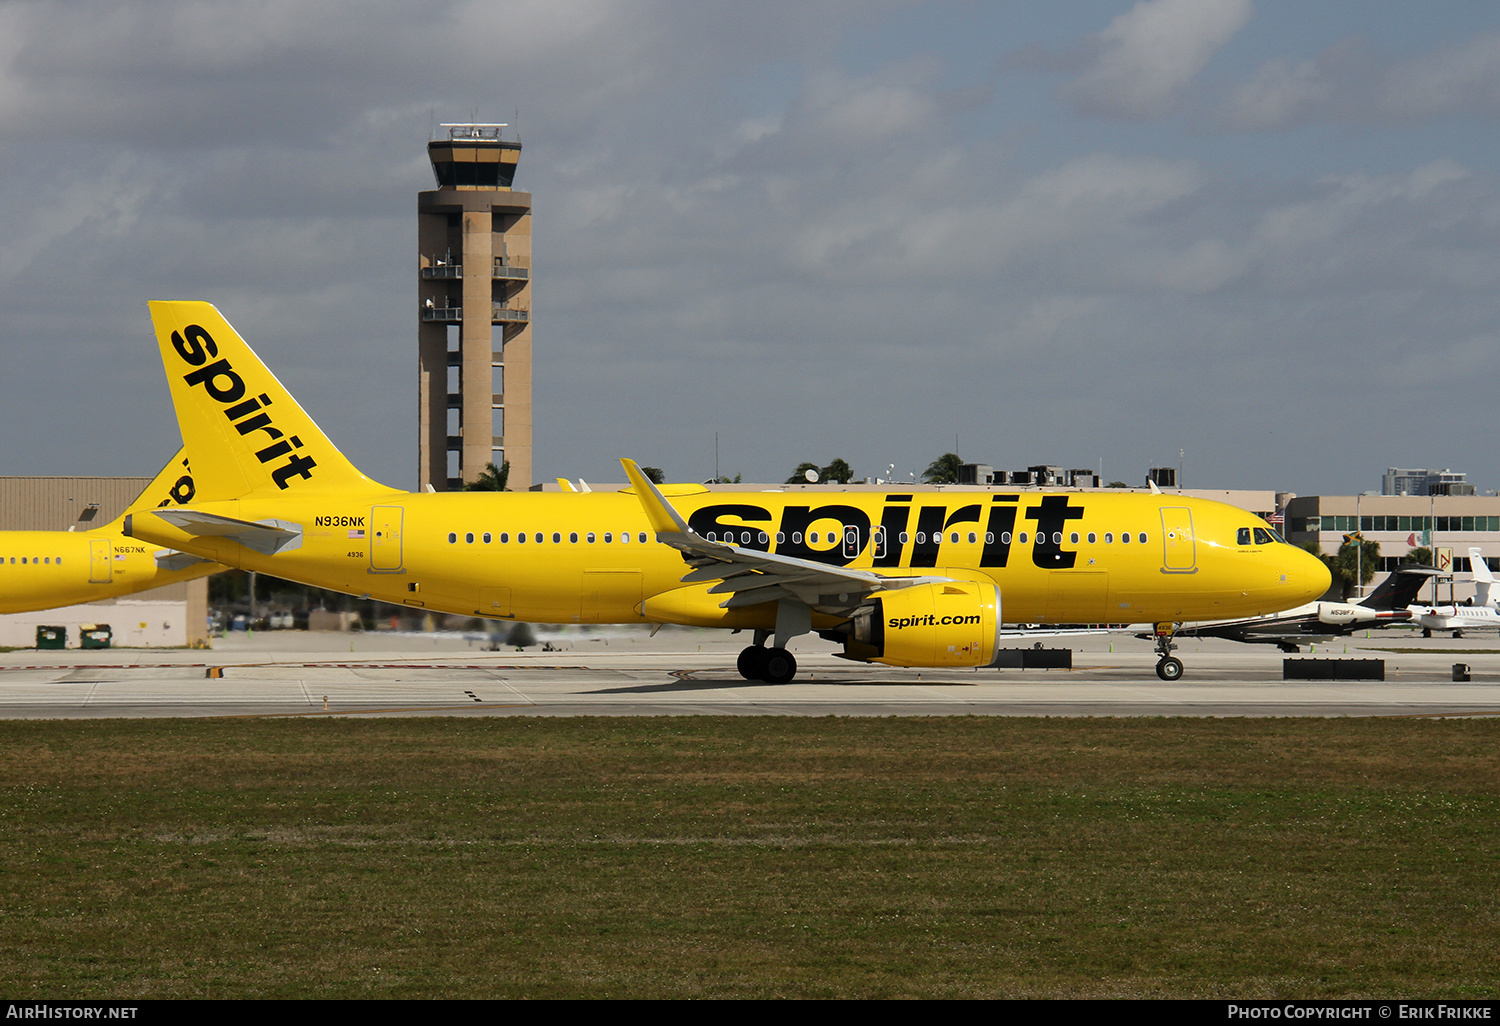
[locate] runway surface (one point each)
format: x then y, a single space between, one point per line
692 673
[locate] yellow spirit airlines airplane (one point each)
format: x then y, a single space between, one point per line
902 578
46 569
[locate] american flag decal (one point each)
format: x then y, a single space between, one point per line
357 533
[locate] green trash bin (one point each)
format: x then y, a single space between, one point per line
94 636
51 637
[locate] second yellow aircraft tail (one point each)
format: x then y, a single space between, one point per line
172 486
244 433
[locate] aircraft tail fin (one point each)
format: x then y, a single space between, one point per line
172 486
1484 577
243 431
1399 590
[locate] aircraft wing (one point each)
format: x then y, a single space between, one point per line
749 576
267 537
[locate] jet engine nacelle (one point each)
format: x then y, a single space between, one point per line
1341 614
952 624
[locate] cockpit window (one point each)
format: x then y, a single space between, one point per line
1242 536
1264 537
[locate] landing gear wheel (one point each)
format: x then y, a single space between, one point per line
779 666
1426 632
752 662
1169 667
1458 634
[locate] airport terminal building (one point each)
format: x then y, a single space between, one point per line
1450 525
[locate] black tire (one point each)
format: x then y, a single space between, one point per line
779 667
1169 668
752 662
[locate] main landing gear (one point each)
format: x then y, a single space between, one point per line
772 665
1169 667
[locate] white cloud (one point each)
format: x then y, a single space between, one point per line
1462 79
1350 84
1280 93
859 111
1148 55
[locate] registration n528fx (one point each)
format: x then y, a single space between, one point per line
904 578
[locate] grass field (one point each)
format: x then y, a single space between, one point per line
749 857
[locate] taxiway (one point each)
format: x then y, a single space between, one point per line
692 673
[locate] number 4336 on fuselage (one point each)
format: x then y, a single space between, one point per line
903 578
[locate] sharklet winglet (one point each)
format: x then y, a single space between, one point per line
664 519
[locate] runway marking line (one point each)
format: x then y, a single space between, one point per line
360 712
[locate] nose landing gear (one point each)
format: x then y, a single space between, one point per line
1169 667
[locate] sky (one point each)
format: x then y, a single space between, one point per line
1257 239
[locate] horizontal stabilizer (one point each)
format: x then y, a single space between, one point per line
267 537
171 559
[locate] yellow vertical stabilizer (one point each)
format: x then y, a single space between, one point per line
172 486
244 433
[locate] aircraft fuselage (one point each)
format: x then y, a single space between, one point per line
1063 557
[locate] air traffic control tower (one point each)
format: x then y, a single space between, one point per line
474 333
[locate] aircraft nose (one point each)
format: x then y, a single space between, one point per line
1306 576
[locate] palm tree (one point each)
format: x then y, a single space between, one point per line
490 479
837 472
1358 557
943 470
